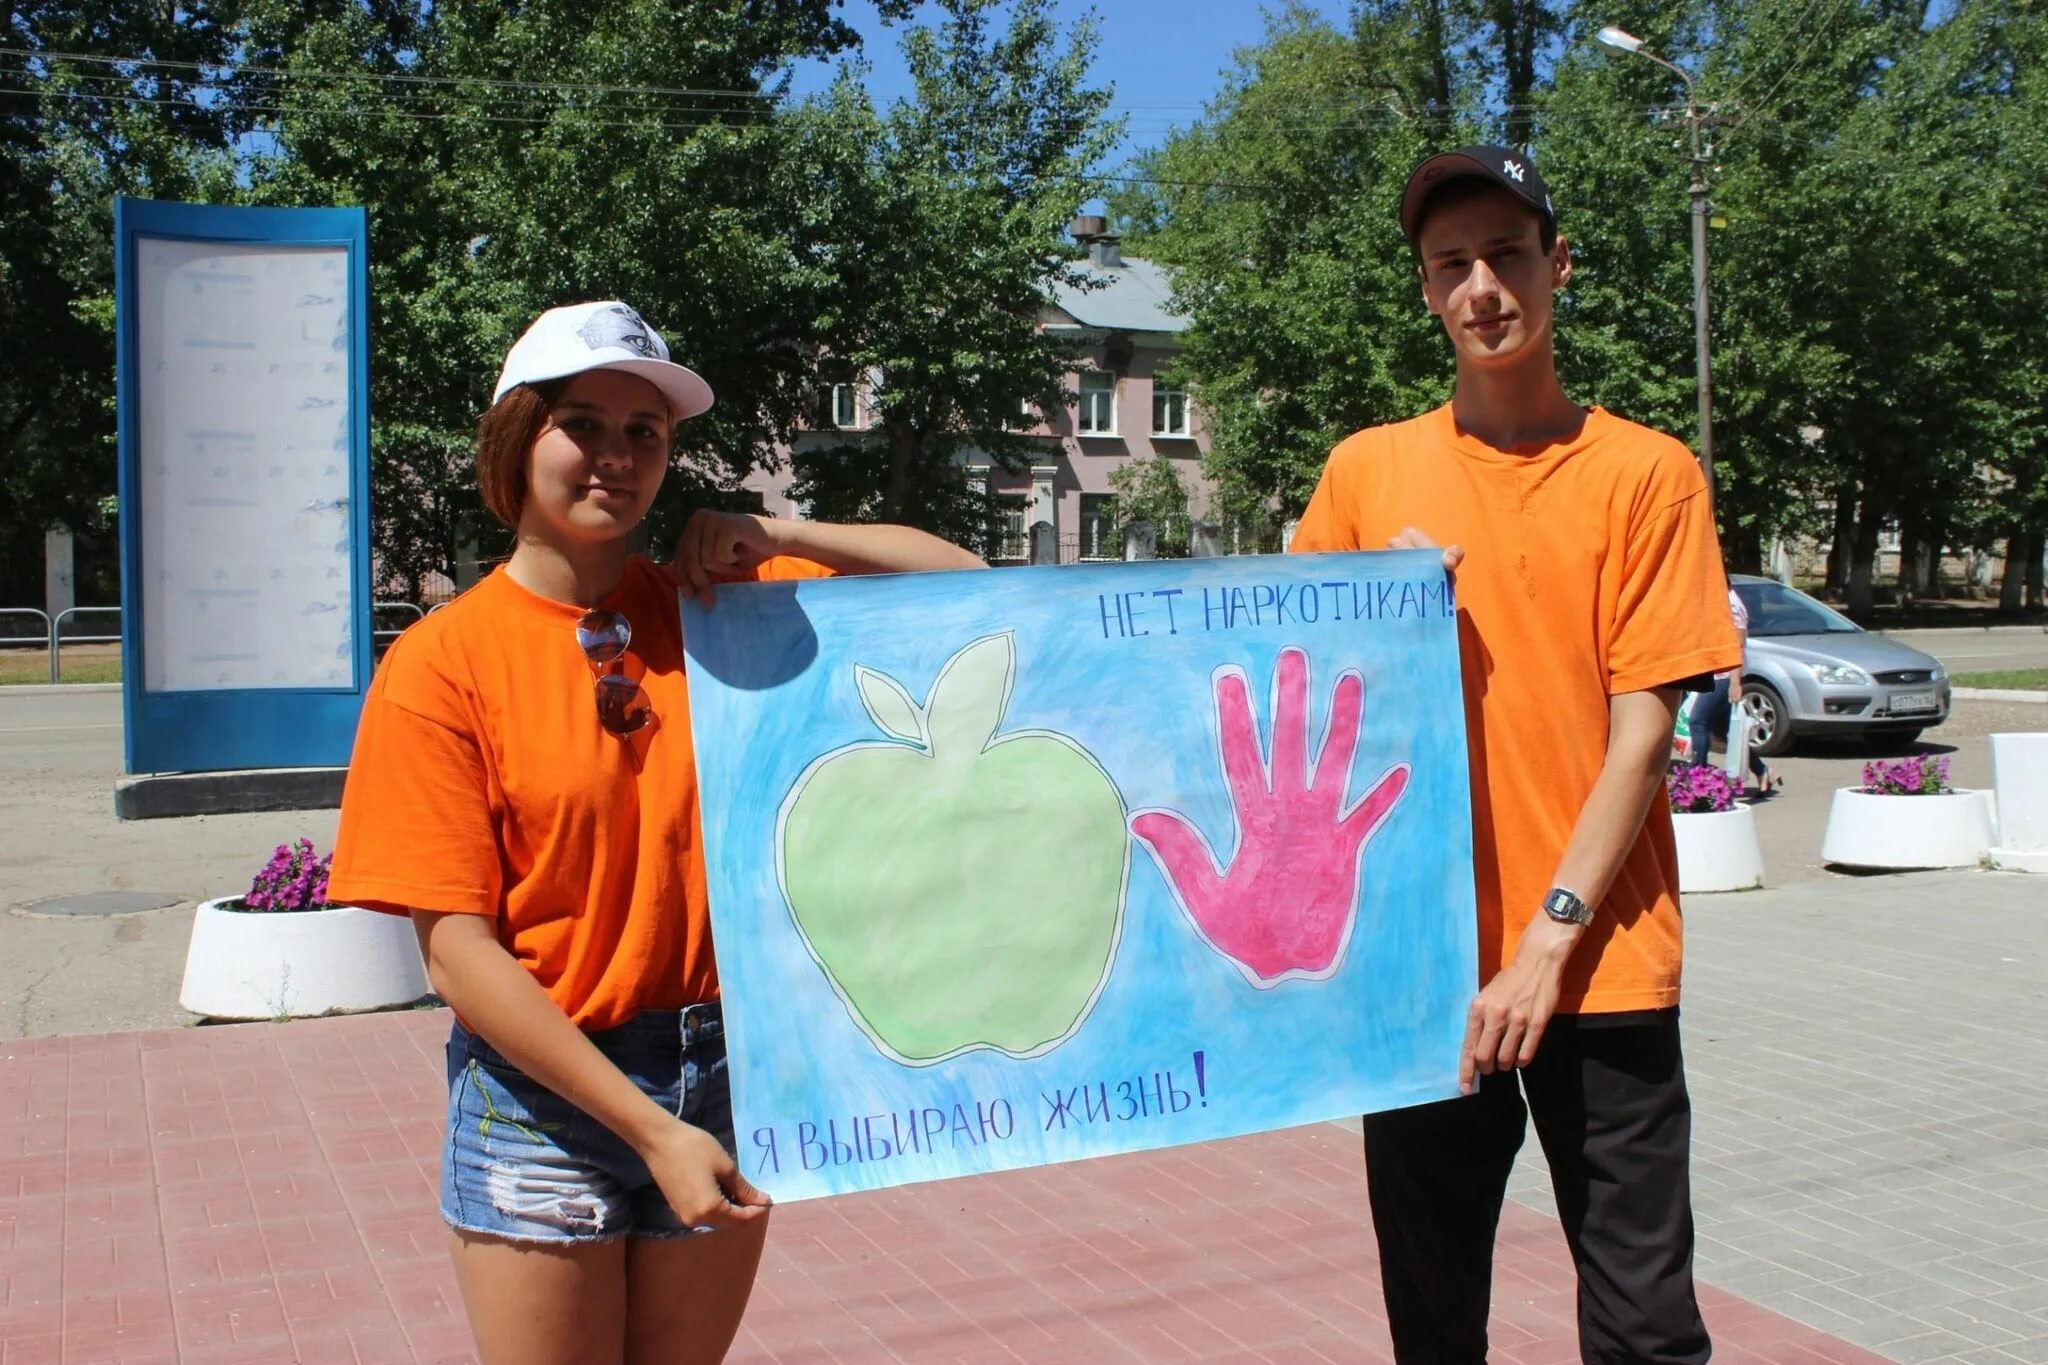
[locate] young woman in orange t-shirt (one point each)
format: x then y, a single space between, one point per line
523 787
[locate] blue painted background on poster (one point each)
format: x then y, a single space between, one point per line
1133 917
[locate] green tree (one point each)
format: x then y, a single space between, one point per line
1996 77
1276 212
1151 490
647 163
937 239
1875 167
1855 317
75 131
1612 147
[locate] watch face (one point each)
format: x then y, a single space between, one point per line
1563 905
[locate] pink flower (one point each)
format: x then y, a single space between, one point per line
1920 775
1699 789
294 878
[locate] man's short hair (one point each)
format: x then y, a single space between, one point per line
1463 190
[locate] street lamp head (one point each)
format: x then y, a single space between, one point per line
1621 40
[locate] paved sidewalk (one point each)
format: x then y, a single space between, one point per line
1871 1163
264 1193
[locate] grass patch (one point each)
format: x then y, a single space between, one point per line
2025 679
33 666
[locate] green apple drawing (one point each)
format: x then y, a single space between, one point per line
961 889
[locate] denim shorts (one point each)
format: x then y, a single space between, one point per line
524 1164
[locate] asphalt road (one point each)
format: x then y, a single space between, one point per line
73 733
1981 650
60 753
77 731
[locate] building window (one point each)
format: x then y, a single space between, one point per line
846 406
1097 413
1098 526
1169 412
1012 541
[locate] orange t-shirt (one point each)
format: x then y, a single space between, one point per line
482 783
1592 568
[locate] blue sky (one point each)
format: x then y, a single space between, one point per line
1164 57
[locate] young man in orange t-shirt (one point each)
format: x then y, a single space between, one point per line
1591 599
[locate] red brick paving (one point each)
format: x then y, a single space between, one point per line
266 1194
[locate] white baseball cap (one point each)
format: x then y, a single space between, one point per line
600 336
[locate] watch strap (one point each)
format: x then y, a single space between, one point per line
1566 907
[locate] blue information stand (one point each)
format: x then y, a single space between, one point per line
242 380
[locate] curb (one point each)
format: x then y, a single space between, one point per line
152 796
2004 628
55 689
1996 694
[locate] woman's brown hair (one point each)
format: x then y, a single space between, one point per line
504 438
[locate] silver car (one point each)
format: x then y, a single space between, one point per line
1811 672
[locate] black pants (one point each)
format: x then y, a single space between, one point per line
1607 1093
1709 720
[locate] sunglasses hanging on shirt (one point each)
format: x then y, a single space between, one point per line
621 705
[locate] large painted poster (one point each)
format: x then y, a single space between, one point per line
1029 865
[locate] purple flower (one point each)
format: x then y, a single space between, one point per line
1920 775
1699 789
295 878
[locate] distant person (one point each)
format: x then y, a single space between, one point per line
1591 600
523 786
1713 711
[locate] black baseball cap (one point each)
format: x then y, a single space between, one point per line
1513 171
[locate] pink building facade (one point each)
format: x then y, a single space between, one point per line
1119 409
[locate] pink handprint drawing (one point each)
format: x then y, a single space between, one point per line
1284 907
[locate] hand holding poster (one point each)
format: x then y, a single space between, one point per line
1019 867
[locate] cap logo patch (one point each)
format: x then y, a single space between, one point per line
619 328
1513 168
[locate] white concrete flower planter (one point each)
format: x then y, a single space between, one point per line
2019 774
1718 851
263 965
1898 833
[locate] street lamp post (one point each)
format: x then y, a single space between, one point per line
1621 41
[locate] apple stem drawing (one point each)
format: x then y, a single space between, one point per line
896 859
1284 907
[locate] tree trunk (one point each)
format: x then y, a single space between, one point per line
1522 74
2012 586
903 444
1432 14
1845 539
1863 562
2034 566
1927 552
1911 584
1742 550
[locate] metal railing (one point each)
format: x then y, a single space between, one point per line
53 639
382 638
40 615
57 635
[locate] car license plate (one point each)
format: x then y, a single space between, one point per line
1912 701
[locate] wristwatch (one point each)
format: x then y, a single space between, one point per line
1566 908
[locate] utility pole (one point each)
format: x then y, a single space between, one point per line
1695 119
1701 360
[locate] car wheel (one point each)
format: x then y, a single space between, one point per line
1770 728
